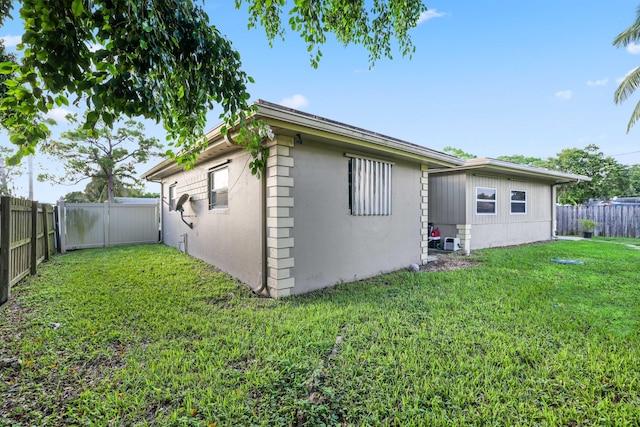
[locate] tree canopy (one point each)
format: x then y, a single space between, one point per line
106 157
163 60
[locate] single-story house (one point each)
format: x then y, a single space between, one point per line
336 203
487 202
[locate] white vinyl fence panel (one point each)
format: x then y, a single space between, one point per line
95 225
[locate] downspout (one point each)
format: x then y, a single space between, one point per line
264 289
554 219
161 232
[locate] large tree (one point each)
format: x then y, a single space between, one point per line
163 60
608 177
103 155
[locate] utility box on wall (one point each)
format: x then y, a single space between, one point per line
452 244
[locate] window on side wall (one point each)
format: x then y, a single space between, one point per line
172 197
518 202
218 188
369 187
486 201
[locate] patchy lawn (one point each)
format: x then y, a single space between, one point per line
145 335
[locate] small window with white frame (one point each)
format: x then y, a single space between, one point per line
172 197
219 188
369 187
518 202
486 201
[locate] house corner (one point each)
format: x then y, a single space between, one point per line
279 218
424 215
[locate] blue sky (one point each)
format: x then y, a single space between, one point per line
492 78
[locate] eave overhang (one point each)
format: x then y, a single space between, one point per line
495 166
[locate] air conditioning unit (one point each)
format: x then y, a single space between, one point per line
452 244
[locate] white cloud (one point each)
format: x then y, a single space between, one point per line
565 95
601 82
431 13
11 41
295 101
633 48
59 115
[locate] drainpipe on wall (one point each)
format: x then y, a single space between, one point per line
553 212
264 289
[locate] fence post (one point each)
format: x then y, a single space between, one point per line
34 237
45 229
105 214
62 226
5 247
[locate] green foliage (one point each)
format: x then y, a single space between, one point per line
526 160
373 25
459 153
162 60
107 158
608 177
630 83
145 335
588 225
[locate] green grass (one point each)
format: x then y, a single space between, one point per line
145 335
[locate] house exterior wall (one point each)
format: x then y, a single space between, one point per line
228 238
505 228
447 202
333 246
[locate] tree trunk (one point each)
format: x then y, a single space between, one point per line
110 188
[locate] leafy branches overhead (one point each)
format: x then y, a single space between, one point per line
350 21
157 59
162 60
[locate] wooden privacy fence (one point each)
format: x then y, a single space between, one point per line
27 237
615 221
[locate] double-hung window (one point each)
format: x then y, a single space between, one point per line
518 202
486 201
219 188
369 187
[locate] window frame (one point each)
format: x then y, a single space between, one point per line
211 190
370 186
494 201
172 197
517 202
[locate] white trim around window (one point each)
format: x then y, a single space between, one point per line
486 201
219 188
518 202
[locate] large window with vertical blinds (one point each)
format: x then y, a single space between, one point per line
369 187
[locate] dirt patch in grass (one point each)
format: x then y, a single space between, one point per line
450 262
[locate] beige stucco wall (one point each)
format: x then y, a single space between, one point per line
228 238
331 245
505 228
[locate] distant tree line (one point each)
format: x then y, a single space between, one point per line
609 178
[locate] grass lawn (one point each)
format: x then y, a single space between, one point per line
145 335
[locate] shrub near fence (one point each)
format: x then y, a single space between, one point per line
26 239
615 221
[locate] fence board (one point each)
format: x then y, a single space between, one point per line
614 220
25 240
93 225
